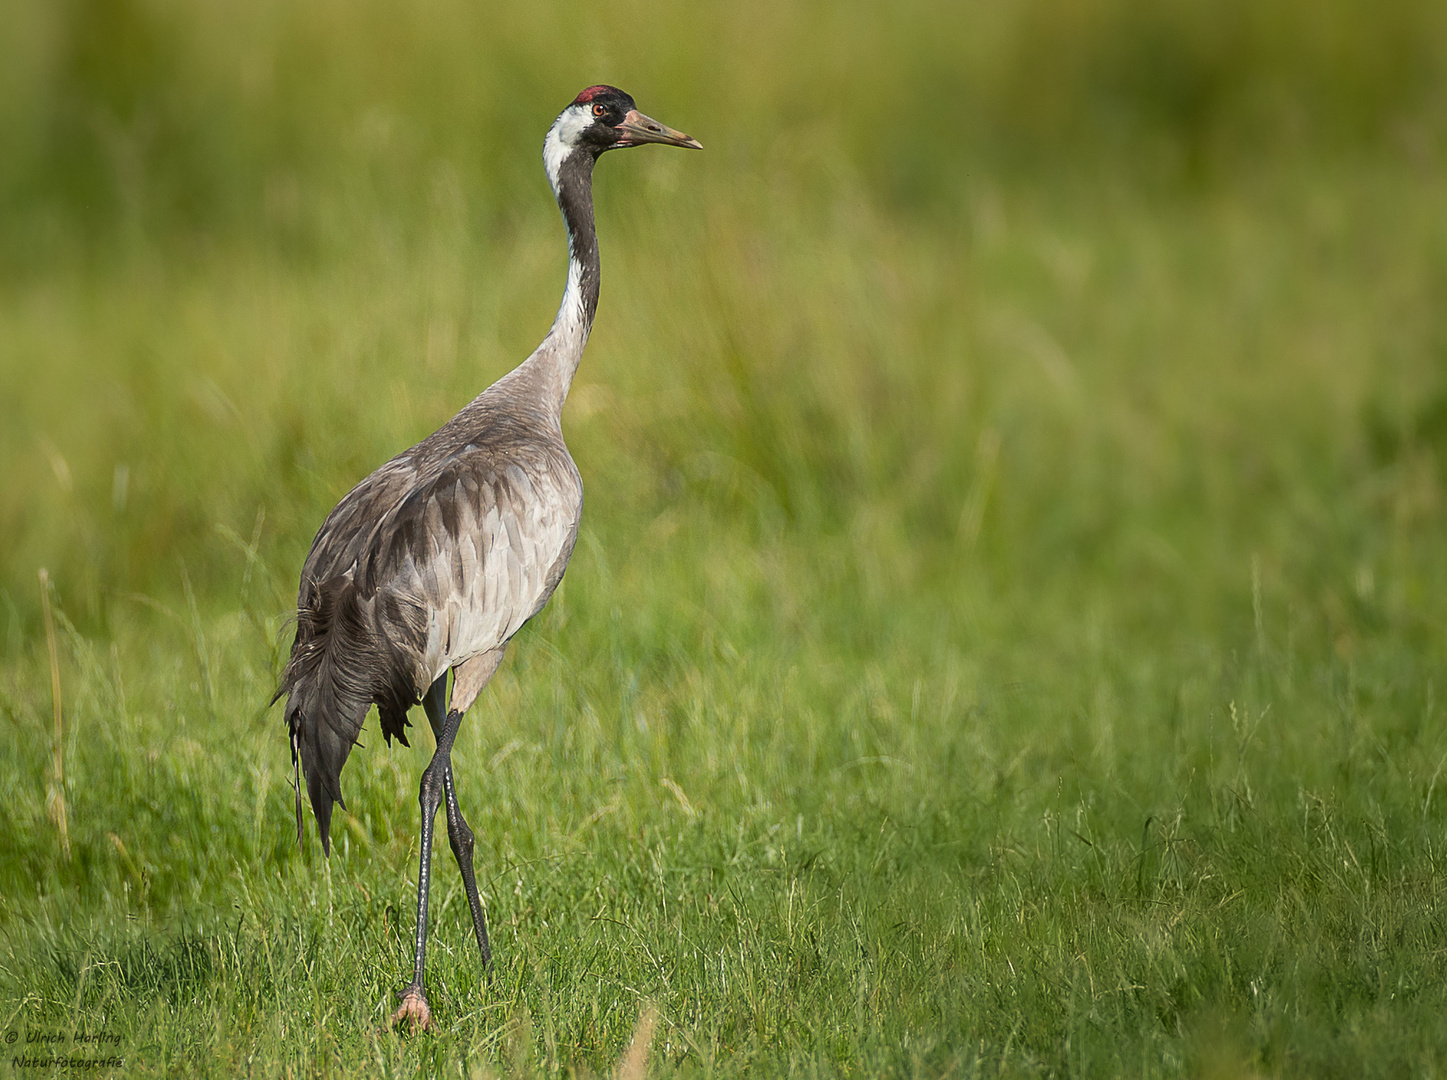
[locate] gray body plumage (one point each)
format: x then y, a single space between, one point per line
439 556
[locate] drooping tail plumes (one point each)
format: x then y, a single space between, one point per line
336 671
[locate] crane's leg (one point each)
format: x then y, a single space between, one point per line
468 681
459 834
414 1005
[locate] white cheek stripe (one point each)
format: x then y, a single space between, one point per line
562 138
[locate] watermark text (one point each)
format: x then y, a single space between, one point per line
41 1049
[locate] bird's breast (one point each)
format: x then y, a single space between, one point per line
500 561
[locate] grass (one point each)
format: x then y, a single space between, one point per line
1006 632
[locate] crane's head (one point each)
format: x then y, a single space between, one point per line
603 118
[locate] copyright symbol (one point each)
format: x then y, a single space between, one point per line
11 1036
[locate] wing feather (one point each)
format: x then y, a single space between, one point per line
422 566
474 543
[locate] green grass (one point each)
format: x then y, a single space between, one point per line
1007 629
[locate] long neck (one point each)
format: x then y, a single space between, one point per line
556 359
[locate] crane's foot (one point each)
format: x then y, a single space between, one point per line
414 1008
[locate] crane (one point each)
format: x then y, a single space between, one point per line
434 561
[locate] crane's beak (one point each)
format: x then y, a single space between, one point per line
638 129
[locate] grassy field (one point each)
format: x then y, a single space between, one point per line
1007 632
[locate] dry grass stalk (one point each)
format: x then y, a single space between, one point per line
634 1064
55 794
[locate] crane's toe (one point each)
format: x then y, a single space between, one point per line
414 1008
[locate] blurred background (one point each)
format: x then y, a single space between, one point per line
1012 337
1007 276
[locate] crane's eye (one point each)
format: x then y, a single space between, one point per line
600 109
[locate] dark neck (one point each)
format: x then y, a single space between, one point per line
575 198
551 367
